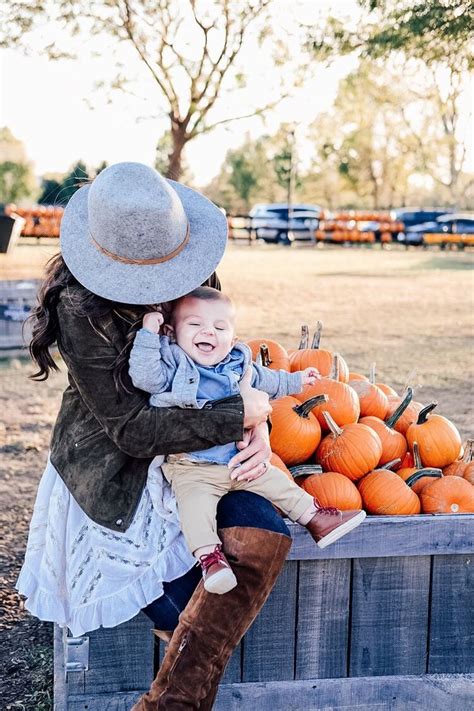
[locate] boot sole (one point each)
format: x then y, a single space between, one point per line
342 530
220 582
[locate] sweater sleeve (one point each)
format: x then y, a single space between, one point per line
276 383
148 371
137 428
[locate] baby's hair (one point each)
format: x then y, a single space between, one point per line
204 293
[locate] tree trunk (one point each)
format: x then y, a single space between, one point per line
178 135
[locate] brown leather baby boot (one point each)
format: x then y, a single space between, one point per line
211 626
329 524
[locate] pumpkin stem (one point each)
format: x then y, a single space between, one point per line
392 463
301 471
428 471
417 456
265 355
317 336
424 412
335 429
335 367
400 409
304 340
469 451
372 371
305 408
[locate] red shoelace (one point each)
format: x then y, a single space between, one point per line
209 559
331 510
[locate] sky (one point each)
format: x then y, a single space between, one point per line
54 108
59 114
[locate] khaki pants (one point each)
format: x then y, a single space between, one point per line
199 486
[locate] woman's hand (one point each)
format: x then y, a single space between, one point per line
254 457
257 406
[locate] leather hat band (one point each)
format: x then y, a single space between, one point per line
130 260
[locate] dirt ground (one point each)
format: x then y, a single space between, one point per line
411 312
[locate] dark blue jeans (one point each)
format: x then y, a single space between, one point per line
238 508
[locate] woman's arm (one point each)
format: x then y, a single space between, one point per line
135 427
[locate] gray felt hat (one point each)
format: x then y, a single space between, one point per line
134 237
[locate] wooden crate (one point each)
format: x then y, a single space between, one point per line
381 620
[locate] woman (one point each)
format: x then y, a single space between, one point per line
104 539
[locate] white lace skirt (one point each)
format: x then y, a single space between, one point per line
84 576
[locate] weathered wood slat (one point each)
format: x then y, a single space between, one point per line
399 693
451 647
323 619
385 536
60 690
437 692
120 659
389 620
233 672
269 645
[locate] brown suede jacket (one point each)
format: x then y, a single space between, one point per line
104 440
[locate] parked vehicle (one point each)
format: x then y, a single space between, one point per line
459 223
272 223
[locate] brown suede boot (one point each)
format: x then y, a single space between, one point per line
329 524
211 626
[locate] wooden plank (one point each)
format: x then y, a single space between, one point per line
389 616
385 536
233 672
384 693
269 645
120 659
323 619
60 687
451 647
116 701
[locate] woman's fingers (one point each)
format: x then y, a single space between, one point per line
251 470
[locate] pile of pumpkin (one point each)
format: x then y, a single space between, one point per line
362 444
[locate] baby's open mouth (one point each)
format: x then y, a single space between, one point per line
204 347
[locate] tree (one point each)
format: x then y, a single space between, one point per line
188 48
16 174
432 31
248 174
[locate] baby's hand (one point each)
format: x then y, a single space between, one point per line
153 321
310 375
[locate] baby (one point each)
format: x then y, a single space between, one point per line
197 360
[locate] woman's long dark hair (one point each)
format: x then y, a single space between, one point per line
45 321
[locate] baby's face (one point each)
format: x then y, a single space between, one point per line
204 329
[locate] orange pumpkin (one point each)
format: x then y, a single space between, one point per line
418 476
333 489
276 461
352 450
438 439
451 494
371 399
315 357
463 467
385 493
387 389
408 417
295 430
342 403
394 444
274 356
357 376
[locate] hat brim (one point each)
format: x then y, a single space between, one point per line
150 283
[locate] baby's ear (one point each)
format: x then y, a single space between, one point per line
234 340
168 330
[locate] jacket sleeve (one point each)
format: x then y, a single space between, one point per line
148 371
276 383
137 428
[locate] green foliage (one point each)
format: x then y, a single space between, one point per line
15 181
435 31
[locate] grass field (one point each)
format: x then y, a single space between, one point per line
412 312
